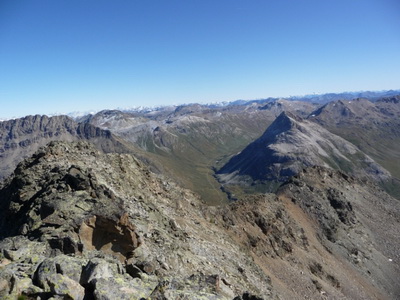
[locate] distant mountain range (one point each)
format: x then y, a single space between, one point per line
325 98
20 138
313 98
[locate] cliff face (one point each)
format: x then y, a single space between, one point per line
78 223
20 138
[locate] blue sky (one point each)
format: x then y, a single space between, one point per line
79 55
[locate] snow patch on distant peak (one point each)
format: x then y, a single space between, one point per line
78 114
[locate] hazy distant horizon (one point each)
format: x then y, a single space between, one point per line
78 113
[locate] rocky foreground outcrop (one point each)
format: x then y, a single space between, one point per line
79 224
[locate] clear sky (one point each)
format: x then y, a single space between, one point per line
79 55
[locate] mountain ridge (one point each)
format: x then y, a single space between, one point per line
374 127
20 138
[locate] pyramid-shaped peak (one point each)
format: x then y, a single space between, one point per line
285 121
289 116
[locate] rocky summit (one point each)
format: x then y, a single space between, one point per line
76 223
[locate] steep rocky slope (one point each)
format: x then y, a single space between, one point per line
324 236
356 222
20 138
288 145
79 224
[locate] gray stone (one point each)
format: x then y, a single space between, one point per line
70 267
64 286
121 287
45 269
96 269
12 285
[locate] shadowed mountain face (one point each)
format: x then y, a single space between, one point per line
374 127
290 144
20 138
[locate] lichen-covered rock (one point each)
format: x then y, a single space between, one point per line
20 249
46 269
14 281
63 286
70 266
96 269
121 287
197 286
